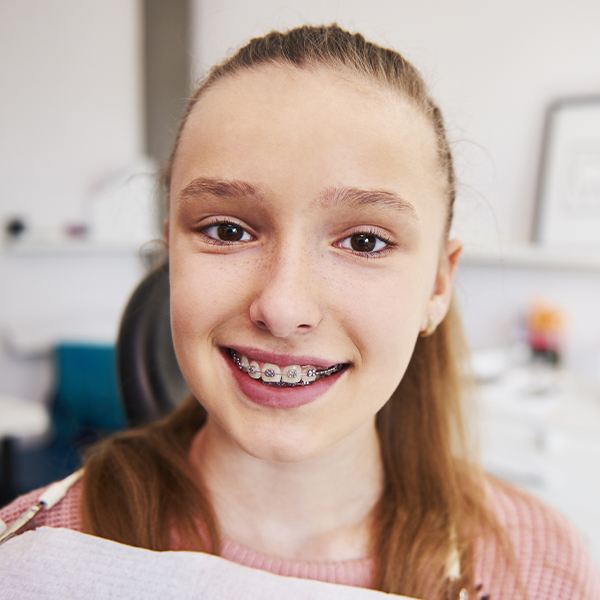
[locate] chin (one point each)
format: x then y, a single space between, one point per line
283 444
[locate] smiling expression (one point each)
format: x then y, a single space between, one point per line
307 213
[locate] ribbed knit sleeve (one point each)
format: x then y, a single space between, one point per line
66 513
552 560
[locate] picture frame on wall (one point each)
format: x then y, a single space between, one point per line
567 213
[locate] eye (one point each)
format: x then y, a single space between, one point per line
367 243
227 232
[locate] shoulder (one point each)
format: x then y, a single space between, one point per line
65 513
551 557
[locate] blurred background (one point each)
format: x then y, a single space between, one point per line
91 97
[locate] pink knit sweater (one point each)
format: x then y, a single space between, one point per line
553 561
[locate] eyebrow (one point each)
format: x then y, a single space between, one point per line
352 197
221 188
359 198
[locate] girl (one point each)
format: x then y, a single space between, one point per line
311 192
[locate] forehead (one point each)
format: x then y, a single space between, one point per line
310 127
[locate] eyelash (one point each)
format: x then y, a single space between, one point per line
390 245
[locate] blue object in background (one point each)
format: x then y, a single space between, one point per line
85 407
87 396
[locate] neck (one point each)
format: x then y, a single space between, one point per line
315 509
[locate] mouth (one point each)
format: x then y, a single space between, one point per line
282 376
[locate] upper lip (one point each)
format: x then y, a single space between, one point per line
266 356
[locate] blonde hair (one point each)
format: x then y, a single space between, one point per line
138 484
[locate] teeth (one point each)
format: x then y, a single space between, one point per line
271 373
254 369
291 374
330 370
309 374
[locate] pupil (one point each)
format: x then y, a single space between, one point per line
229 232
363 242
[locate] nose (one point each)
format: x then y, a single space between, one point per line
286 301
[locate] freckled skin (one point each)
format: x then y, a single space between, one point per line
293 289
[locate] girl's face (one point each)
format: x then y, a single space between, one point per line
306 228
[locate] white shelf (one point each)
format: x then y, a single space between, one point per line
70 248
530 256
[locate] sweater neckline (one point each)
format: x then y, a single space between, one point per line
355 572
232 548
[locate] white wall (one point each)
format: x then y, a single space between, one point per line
71 102
71 114
494 68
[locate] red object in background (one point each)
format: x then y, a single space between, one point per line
545 327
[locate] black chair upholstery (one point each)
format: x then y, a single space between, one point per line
149 378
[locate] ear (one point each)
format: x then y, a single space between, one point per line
439 301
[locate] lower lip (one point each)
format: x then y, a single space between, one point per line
284 397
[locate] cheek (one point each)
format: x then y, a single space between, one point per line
386 316
202 292
385 307
205 299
